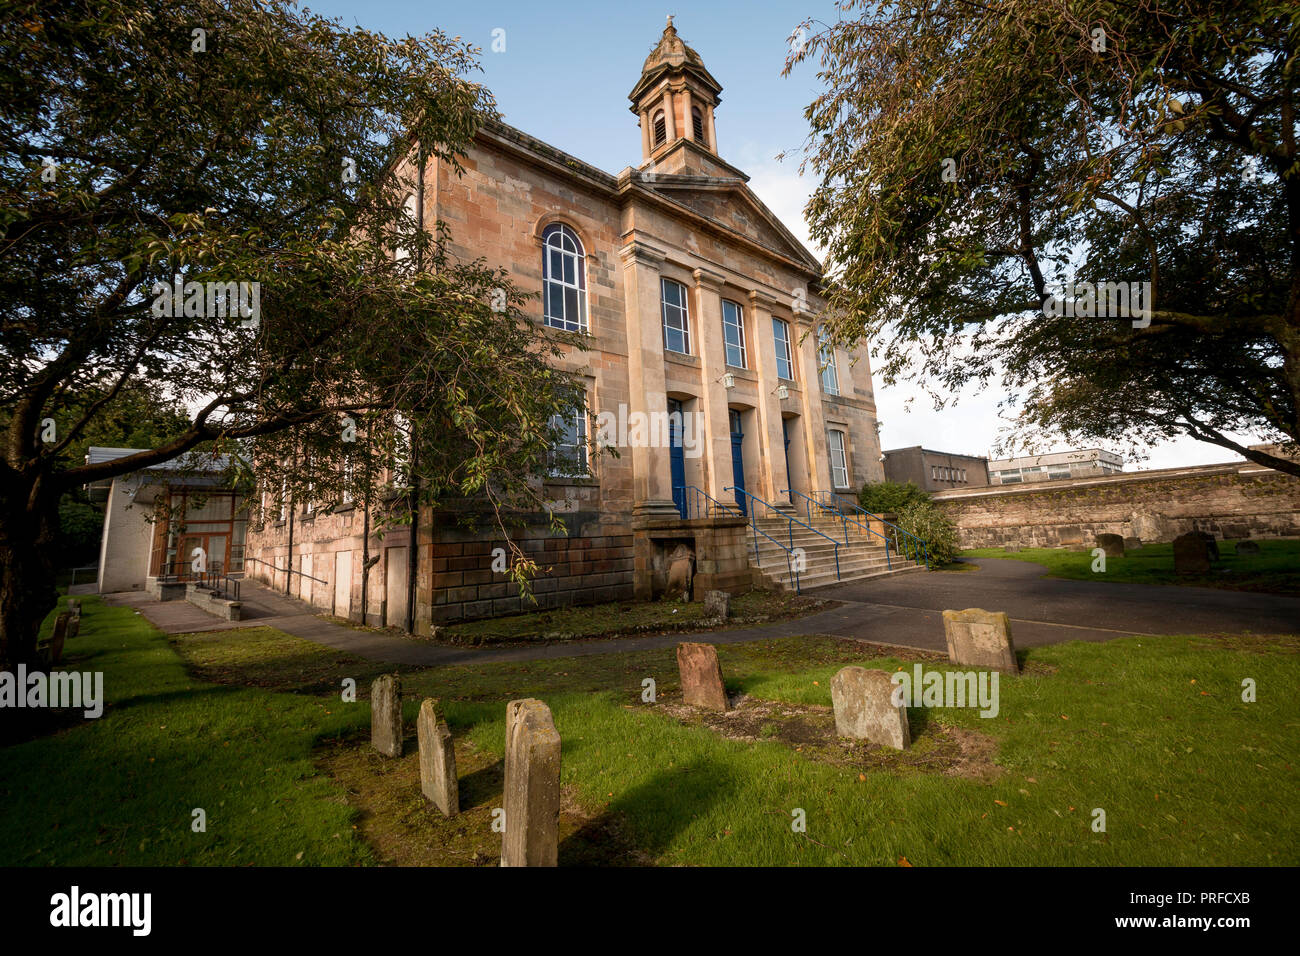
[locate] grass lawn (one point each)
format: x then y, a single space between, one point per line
249 725
627 617
1275 569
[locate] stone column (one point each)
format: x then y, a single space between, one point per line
814 421
686 114
707 330
762 351
708 129
647 143
670 120
652 492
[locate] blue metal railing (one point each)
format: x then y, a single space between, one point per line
845 520
791 521
696 502
907 544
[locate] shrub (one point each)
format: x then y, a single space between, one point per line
928 522
890 496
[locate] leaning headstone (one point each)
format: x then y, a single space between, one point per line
980 638
59 635
864 708
1132 544
437 760
1246 547
532 788
1211 545
701 676
681 572
386 715
717 603
1112 544
1191 554
74 607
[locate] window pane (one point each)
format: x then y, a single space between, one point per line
571 312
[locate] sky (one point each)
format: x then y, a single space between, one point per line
562 71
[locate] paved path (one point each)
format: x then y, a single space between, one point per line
903 610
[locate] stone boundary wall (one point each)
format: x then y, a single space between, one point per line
1236 500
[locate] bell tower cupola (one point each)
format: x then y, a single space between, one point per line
674 99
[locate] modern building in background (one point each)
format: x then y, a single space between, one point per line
935 470
1086 463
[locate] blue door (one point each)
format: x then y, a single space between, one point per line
738 461
675 457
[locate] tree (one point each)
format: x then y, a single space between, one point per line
977 158
220 202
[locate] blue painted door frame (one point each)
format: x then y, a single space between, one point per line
738 461
676 459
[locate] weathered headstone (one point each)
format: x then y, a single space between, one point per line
386 715
1191 554
1246 547
74 607
532 788
864 708
437 760
58 636
980 638
717 603
1210 543
1112 544
1011 547
681 572
74 626
701 676
1132 544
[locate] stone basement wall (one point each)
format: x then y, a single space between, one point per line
593 564
1241 500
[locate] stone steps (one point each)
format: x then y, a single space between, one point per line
861 556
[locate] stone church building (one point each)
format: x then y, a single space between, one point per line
700 316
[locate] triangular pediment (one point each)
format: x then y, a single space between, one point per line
730 203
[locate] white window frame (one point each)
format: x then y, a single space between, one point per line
782 341
682 313
411 209
581 454
561 244
828 373
739 327
842 466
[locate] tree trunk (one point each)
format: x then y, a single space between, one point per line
29 523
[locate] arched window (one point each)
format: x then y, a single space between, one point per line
697 123
564 279
661 128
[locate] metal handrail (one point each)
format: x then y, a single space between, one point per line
889 564
791 522
919 545
792 571
274 567
732 511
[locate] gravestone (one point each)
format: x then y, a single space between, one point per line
437 760
1011 547
980 638
74 607
681 571
58 636
701 676
718 604
1210 543
1132 544
1191 554
1246 547
864 708
532 788
386 715
1112 544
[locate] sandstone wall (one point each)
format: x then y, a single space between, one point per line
1230 501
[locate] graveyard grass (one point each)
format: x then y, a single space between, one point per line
1275 569
249 725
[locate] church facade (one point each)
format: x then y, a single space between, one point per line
701 361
